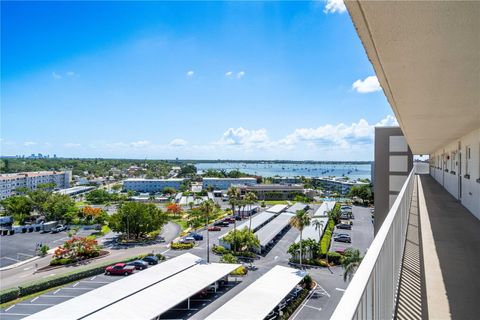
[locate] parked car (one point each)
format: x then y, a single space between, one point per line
238 218
151 260
59 228
120 268
187 240
344 226
340 251
196 236
346 208
229 220
138 264
221 224
343 238
214 228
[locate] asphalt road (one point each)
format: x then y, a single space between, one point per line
21 246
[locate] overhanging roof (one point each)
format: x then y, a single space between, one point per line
96 299
261 297
273 228
161 297
426 55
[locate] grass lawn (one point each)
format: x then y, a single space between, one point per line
181 222
274 202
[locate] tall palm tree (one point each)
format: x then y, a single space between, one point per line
251 198
350 263
300 221
233 196
318 224
207 208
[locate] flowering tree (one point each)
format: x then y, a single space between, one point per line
78 248
174 208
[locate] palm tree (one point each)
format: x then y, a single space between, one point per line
191 204
318 224
233 196
300 221
207 208
350 263
251 198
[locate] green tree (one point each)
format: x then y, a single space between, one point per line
363 192
39 197
228 258
350 262
243 240
117 187
250 199
59 207
99 196
300 221
137 219
233 197
19 207
169 190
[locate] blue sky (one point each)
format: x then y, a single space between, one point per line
198 80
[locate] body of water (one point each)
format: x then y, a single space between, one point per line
265 169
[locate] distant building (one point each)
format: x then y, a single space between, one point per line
341 185
225 183
9 183
151 185
286 180
273 191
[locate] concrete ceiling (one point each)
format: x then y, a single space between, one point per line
427 58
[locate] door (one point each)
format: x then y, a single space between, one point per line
459 172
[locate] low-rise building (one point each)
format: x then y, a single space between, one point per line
225 183
273 191
341 185
151 185
10 182
286 180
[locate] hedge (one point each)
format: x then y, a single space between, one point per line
245 254
181 246
240 271
326 237
335 257
36 286
292 306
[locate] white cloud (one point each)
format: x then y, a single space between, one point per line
229 74
388 121
56 75
72 145
71 74
140 144
190 73
240 75
241 136
177 142
333 6
369 84
29 143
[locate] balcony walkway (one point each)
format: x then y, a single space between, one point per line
441 268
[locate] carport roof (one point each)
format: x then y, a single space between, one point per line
278 208
257 220
161 297
261 297
96 299
273 228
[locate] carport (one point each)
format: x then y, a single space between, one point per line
261 297
273 229
92 301
152 302
278 208
297 206
258 222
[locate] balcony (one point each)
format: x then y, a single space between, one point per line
422 264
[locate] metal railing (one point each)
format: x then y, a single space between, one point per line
372 293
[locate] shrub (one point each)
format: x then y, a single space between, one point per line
290 309
61 261
181 246
307 282
44 249
334 257
228 258
9 294
220 250
240 271
326 237
245 254
160 257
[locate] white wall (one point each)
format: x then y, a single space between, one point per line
445 168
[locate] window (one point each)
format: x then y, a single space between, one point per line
453 159
468 156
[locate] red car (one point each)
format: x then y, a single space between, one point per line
120 268
229 220
214 228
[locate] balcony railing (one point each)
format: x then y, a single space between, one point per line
372 293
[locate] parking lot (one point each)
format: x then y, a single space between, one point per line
21 246
53 297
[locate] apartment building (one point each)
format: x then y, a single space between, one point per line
341 185
225 183
151 185
424 257
10 182
273 191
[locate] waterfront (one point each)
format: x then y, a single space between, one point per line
290 169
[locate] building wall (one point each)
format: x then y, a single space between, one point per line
225 183
151 185
458 170
10 182
393 163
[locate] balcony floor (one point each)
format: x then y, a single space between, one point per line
440 277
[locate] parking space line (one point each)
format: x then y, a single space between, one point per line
77 288
10 307
34 299
59 296
339 289
76 284
319 309
16 260
16 314
102 282
56 291
93 278
35 304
